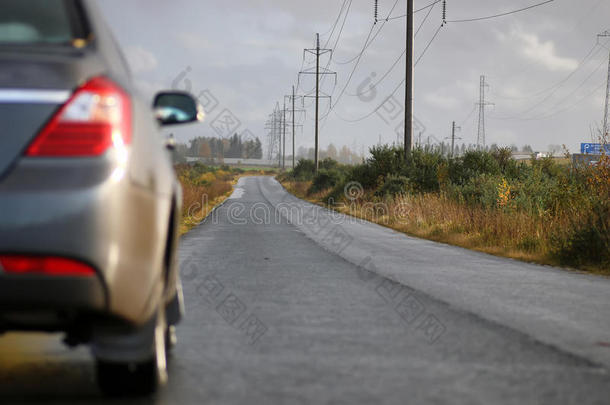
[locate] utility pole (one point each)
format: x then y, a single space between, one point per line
454 128
292 99
284 135
317 51
317 153
409 82
482 104
293 120
277 133
607 105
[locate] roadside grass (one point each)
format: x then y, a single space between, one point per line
540 212
205 187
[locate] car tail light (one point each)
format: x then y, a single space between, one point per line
52 266
96 117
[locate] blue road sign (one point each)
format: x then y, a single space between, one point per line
594 148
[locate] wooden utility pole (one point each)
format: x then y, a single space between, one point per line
409 82
454 128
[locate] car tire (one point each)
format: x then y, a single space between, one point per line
137 379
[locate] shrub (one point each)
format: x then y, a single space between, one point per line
478 191
324 180
473 164
364 175
328 164
508 166
393 186
423 170
304 170
385 160
205 179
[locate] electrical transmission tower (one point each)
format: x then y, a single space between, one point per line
482 104
317 51
283 132
607 105
274 139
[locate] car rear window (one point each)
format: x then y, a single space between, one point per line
53 22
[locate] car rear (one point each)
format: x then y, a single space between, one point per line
69 214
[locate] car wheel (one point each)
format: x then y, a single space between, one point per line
116 379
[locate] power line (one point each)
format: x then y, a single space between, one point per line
368 43
469 115
569 96
425 19
393 92
502 14
429 43
336 22
416 11
570 107
557 85
387 73
331 31
337 42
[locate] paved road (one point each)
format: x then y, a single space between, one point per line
309 307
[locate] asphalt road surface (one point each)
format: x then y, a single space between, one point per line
290 304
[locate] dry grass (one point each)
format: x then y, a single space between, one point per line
436 217
198 201
201 192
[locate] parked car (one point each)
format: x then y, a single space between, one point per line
89 202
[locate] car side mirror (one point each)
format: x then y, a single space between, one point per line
174 108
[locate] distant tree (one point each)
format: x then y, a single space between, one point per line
331 152
528 149
345 155
302 152
204 149
258 149
234 149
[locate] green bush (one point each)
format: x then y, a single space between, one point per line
325 179
480 191
586 244
393 185
471 165
304 170
385 160
423 170
364 175
329 164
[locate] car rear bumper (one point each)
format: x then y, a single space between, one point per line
29 302
78 209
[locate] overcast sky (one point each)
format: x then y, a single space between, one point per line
243 56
